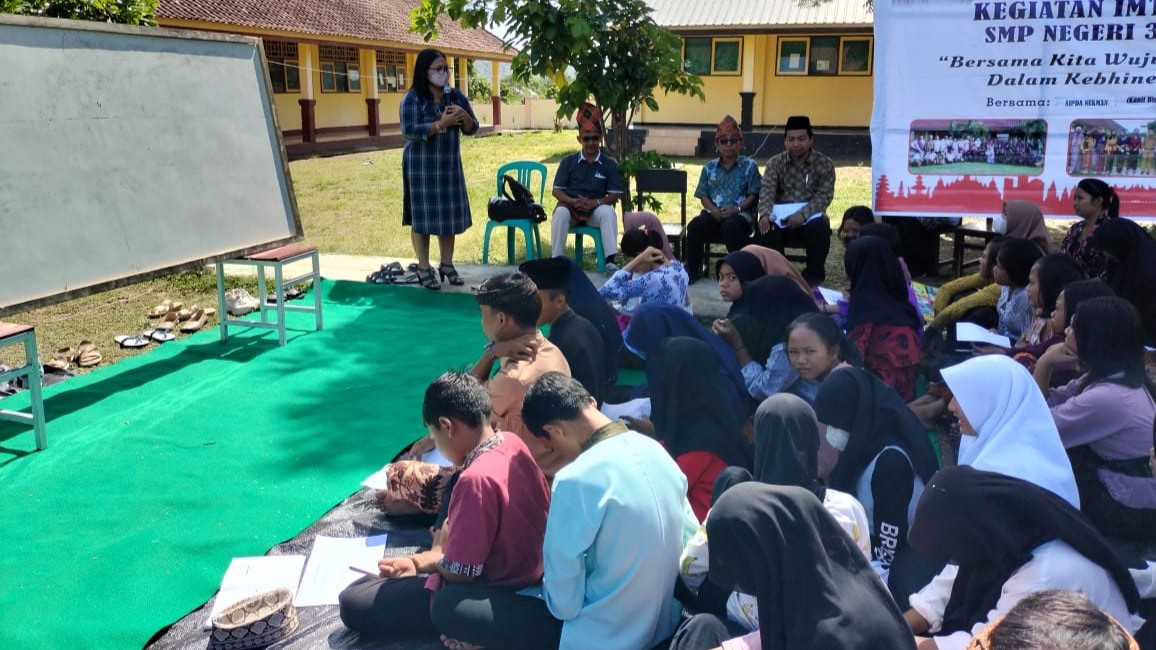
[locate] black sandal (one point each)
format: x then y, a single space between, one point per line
426 278
448 271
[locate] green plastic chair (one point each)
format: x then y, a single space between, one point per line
523 171
594 233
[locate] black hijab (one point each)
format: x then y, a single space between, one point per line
815 589
584 299
787 444
1132 275
772 302
747 268
878 287
876 416
691 415
988 524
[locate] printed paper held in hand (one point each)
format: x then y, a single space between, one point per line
972 333
783 211
253 575
328 570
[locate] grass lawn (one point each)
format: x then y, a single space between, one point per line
352 205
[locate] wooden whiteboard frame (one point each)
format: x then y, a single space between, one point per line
24 303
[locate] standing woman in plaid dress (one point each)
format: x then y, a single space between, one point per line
433 118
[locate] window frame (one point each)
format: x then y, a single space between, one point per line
328 70
709 54
805 63
844 42
715 42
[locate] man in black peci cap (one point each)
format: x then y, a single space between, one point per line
575 336
798 185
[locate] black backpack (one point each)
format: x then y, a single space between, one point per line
516 202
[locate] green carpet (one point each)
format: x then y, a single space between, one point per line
163 467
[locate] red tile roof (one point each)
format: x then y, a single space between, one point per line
375 20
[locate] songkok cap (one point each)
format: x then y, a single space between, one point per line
796 122
728 128
549 273
589 118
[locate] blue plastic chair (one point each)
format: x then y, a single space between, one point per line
523 171
594 233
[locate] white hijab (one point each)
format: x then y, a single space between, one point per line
1016 435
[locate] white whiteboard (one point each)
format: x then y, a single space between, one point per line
129 152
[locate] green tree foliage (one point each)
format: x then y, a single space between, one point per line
619 55
129 12
480 89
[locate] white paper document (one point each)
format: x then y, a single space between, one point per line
635 408
972 333
831 296
783 211
328 571
253 575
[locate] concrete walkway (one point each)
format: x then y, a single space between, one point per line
704 298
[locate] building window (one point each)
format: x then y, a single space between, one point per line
391 72
340 69
855 55
728 56
713 56
823 56
284 73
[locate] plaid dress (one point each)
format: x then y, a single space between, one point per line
434 201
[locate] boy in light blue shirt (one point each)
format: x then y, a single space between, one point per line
618 521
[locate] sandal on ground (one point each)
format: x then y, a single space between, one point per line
393 268
196 321
425 278
161 309
62 359
131 340
160 335
170 321
447 271
381 277
87 356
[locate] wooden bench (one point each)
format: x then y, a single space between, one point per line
13 334
277 259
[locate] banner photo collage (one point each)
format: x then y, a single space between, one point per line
977 103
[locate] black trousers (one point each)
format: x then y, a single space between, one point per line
920 246
705 631
815 237
495 618
386 606
734 230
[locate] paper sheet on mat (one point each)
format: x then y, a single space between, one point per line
252 575
831 296
328 572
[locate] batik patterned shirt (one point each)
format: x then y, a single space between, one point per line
786 180
729 187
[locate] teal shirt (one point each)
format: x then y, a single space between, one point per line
618 521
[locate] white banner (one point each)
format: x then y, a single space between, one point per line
977 103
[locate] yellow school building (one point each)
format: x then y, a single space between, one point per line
764 60
339 68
